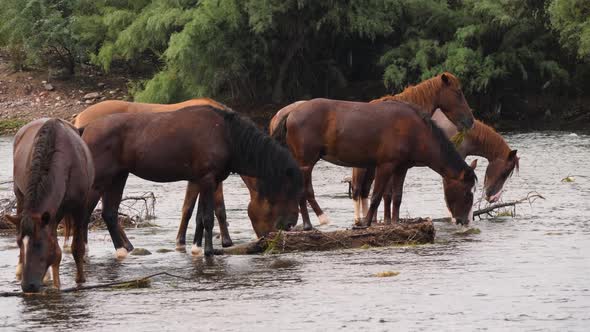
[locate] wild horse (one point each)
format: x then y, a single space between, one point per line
200 144
388 136
109 107
53 174
440 92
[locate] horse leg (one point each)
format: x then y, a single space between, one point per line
192 192
222 217
365 191
205 213
19 211
306 172
80 228
67 224
198 240
382 175
397 190
387 202
356 182
310 196
111 199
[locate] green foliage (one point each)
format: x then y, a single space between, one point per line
571 19
282 50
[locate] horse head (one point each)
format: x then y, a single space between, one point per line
278 211
451 101
498 171
39 249
459 194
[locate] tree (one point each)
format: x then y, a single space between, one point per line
571 19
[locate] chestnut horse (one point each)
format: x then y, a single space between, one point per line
482 140
389 136
109 107
53 174
201 144
440 92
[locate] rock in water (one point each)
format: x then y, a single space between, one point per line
48 87
140 252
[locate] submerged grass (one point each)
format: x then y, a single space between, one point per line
386 274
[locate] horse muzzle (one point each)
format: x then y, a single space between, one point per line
31 286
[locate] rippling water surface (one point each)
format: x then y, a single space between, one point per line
531 272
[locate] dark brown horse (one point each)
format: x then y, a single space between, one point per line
200 144
440 92
389 136
109 107
53 174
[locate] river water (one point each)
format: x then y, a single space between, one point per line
530 272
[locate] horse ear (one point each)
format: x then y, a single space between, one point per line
13 219
473 164
512 154
445 78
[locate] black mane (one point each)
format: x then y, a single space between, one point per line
257 154
447 148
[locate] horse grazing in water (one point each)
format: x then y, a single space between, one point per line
200 144
482 140
53 174
440 92
389 136
109 107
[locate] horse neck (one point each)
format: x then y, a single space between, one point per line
448 164
485 142
424 95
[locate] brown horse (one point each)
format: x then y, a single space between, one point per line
482 140
53 174
389 136
440 92
109 107
201 144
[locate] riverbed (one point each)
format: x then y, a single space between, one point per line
527 272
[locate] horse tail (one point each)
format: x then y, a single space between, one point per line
280 132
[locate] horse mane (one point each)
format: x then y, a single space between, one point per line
41 159
493 143
252 150
423 93
446 147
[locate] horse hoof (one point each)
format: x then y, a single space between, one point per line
180 247
209 252
307 227
121 253
196 251
324 219
226 243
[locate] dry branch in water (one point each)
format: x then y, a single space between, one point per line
142 282
416 231
530 198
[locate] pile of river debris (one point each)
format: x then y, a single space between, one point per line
135 212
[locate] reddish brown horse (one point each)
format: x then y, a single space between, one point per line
482 140
109 107
53 174
201 144
389 136
440 92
